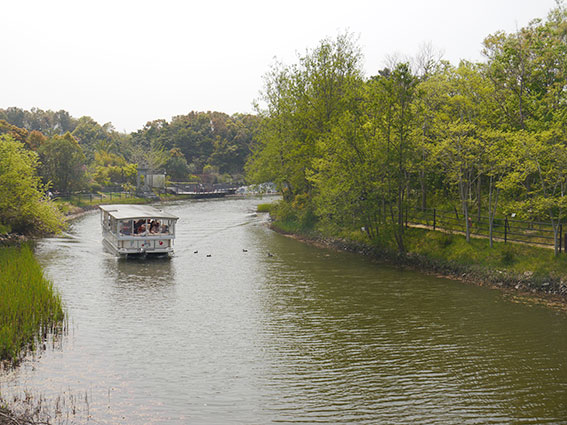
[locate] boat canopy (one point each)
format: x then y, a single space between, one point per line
134 212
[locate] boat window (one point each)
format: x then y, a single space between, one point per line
159 226
140 226
126 227
166 227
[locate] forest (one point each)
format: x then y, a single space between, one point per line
350 151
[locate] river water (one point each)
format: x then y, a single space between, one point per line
268 329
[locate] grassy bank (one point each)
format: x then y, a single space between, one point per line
517 266
29 306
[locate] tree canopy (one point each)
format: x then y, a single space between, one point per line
23 204
357 151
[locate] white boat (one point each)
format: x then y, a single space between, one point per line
137 230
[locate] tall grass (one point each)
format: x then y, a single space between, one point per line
29 306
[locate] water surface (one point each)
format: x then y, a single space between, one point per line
303 335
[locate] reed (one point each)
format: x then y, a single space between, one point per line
30 308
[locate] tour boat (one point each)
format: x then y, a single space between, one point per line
137 230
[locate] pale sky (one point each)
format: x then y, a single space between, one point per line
133 61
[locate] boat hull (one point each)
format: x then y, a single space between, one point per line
139 249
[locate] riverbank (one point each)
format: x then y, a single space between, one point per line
525 273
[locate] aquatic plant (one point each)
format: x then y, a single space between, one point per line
30 308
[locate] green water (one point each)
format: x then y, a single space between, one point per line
302 335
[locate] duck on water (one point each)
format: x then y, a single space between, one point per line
137 230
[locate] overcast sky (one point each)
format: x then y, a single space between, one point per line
129 62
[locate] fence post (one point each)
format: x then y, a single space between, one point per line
506 230
434 218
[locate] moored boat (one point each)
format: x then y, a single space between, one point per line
137 230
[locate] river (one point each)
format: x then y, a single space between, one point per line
267 329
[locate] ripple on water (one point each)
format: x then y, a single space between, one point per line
302 336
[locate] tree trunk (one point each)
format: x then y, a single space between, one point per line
479 197
423 190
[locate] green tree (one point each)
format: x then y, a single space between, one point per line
23 206
528 70
112 169
176 165
459 144
91 135
63 163
301 105
538 179
17 133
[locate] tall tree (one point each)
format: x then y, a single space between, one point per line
459 142
301 104
63 163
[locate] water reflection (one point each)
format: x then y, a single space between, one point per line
358 335
147 274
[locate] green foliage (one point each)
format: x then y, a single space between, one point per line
16 133
507 256
264 208
63 163
23 207
29 306
296 218
199 139
500 260
302 104
479 138
93 137
112 169
176 166
5 229
45 122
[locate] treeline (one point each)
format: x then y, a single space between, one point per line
80 153
484 138
62 154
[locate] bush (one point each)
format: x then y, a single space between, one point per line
264 208
507 256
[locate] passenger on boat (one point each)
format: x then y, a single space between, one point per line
154 226
138 224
